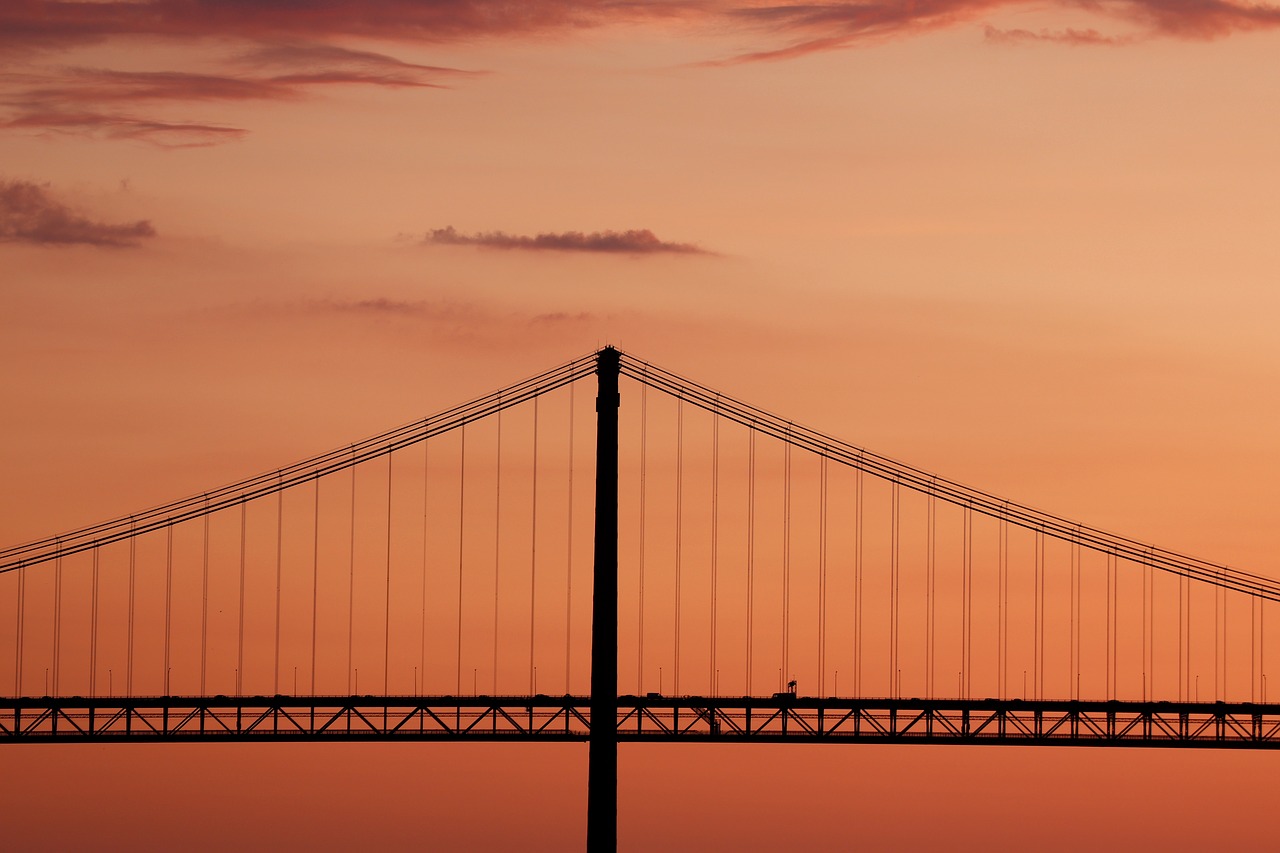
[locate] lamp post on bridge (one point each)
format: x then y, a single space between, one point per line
602 763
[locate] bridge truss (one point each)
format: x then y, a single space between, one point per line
654 719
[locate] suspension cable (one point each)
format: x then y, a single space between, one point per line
269 483
951 491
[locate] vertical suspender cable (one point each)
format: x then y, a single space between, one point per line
713 687
168 604
1146 629
57 619
751 547
857 585
1044 618
568 557
966 604
279 571
462 495
894 509
1037 615
930 595
1181 641
1037 646
17 649
133 565
1115 628
1112 639
675 672
204 604
644 449
1151 627
786 558
351 583
93 628
966 598
426 481
386 610
822 577
1074 640
533 556
1217 645
240 617
1223 696
1002 593
497 545
315 582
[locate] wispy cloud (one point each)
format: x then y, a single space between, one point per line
106 102
29 214
814 28
324 58
288 47
1067 36
632 242
35 24
57 23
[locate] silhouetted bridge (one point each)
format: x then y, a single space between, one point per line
746 547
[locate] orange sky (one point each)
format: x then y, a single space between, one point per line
1029 246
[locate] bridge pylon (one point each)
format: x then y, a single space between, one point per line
602 773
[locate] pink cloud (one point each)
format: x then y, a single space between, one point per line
632 242
29 214
1068 36
291 46
89 101
27 24
821 27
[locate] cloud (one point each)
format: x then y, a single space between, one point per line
1068 36
117 126
821 27
318 57
53 23
28 214
287 48
437 310
93 101
633 242
47 24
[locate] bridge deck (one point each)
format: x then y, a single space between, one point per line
650 719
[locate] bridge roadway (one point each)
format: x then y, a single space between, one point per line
777 719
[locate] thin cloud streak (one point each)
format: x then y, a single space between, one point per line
632 242
113 126
318 57
50 24
290 47
29 24
1069 36
29 214
85 101
832 26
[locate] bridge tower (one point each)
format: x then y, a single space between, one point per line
602 772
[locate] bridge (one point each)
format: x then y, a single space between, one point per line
739 565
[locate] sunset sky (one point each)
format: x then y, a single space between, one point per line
1027 245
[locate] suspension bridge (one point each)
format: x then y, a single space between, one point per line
652 561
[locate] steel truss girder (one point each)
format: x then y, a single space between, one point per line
292 718
951 721
648 719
